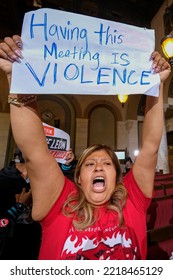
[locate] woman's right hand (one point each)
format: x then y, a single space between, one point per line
10 51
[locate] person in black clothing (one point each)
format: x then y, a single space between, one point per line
20 236
128 164
13 179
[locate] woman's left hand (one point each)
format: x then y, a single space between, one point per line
161 66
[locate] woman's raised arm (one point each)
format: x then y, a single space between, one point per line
145 163
46 177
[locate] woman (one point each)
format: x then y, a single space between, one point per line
98 217
128 164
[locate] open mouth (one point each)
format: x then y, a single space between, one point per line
99 184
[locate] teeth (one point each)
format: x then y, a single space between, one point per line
100 178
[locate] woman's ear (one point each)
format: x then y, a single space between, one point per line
79 181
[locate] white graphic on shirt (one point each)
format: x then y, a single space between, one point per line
89 244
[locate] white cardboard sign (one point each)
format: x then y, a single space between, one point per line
70 53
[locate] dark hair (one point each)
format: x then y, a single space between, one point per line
18 156
128 159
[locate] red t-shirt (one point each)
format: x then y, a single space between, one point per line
103 240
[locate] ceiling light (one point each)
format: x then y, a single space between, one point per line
122 98
167 47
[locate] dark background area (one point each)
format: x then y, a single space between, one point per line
135 12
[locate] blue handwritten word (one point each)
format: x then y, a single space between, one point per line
74 54
123 59
106 37
61 32
102 76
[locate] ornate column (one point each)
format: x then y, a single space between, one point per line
81 136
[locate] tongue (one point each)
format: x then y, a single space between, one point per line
98 186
